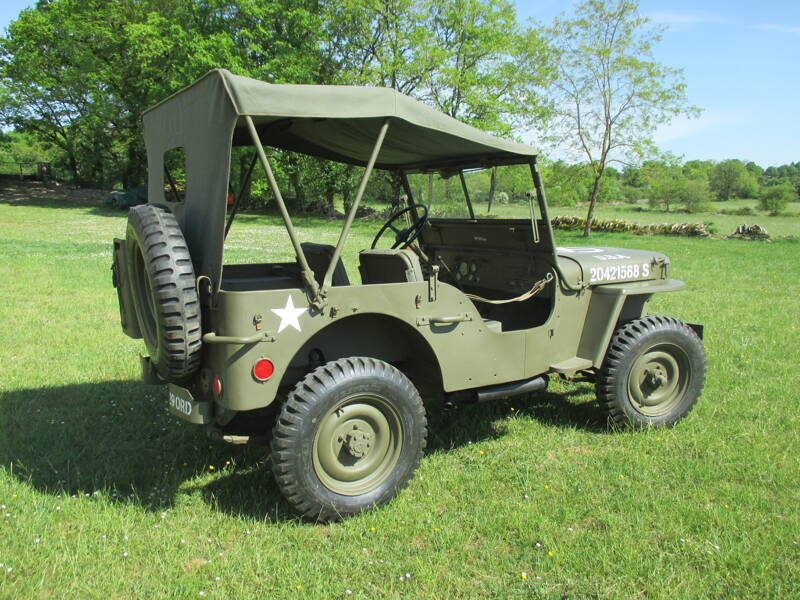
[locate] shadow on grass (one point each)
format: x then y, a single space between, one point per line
115 437
469 423
93 207
266 217
118 438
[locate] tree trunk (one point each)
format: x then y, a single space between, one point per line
592 200
330 194
347 199
244 187
397 190
297 186
73 166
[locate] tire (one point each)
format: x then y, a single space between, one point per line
349 438
162 284
653 373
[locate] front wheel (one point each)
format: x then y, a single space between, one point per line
653 373
349 437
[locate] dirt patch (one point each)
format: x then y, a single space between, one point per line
26 191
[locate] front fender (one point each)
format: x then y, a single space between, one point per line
612 303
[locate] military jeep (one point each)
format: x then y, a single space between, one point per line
325 365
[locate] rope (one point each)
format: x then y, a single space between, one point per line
537 287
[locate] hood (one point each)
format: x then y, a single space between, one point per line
600 265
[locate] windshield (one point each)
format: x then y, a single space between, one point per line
497 192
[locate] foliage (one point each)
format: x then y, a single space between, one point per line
669 184
565 184
775 198
730 179
470 59
80 74
19 147
609 92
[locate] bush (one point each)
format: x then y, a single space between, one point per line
775 198
744 211
670 188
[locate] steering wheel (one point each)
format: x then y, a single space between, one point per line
404 236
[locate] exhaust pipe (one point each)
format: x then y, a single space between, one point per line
497 392
515 388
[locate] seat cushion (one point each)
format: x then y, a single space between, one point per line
319 257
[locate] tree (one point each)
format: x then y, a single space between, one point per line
730 179
698 169
775 198
609 92
488 67
80 73
469 59
670 186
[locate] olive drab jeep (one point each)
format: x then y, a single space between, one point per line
325 364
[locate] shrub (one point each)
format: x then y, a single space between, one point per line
744 211
775 198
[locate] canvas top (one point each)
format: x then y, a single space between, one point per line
339 123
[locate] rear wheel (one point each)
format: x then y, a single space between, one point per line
653 373
349 437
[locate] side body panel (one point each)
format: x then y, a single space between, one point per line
469 355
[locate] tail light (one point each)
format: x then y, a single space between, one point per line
263 369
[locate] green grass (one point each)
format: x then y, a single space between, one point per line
105 495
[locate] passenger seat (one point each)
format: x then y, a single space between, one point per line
389 266
319 257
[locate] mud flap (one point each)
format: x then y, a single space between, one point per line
182 404
119 277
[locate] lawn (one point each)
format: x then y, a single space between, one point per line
785 224
105 495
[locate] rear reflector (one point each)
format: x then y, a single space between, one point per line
263 369
216 385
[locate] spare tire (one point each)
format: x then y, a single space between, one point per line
162 283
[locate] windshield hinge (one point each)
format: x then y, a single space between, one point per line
433 282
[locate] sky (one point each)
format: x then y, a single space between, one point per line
740 62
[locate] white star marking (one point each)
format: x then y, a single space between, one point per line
289 315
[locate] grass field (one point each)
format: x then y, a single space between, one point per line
786 224
104 495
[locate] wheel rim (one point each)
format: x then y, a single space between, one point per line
658 379
357 444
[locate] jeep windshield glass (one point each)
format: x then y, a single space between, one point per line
497 192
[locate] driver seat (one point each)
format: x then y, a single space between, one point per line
389 266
